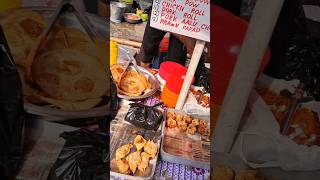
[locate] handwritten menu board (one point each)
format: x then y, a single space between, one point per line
187 17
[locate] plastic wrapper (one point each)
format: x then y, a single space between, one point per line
295 50
11 113
147 117
85 156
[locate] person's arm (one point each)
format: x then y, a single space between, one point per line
150 45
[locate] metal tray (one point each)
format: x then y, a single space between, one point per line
179 159
155 85
53 114
123 133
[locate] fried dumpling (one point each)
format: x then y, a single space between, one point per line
139 142
151 148
134 159
123 166
123 151
144 162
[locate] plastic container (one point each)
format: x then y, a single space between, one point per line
169 98
168 67
117 10
113 52
203 150
175 81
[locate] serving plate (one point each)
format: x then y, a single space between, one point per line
49 112
155 85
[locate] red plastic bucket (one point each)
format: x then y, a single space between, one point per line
228 34
175 81
168 67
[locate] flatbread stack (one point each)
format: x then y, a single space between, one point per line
70 72
132 83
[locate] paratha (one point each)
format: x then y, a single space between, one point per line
70 75
22 27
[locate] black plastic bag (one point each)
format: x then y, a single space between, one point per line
147 117
11 113
85 156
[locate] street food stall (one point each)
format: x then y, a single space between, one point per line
150 138
60 53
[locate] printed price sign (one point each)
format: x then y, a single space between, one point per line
187 17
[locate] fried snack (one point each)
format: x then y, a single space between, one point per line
151 148
123 151
202 127
307 120
171 123
133 84
191 129
30 94
123 166
116 71
223 173
22 27
139 142
268 96
72 105
134 159
195 122
171 115
179 117
74 38
144 162
250 175
70 75
182 125
187 118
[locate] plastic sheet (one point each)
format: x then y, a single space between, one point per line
85 156
147 117
11 113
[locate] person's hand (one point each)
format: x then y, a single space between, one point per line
145 65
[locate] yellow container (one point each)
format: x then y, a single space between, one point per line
113 52
7 4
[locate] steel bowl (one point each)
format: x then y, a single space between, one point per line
130 20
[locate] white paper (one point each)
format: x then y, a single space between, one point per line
260 143
312 12
187 17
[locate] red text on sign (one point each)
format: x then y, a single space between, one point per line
168 23
197 12
189 16
205 27
190 28
189 22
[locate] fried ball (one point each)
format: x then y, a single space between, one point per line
179 117
191 129
171 123
171 115
182 125
195 122
188 119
